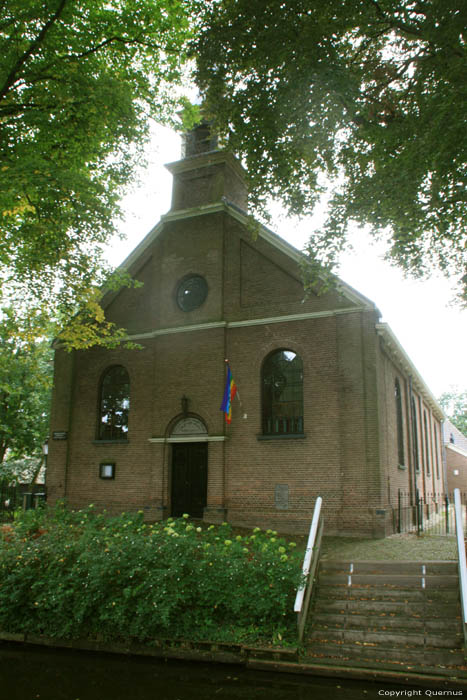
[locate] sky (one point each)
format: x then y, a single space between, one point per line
432 331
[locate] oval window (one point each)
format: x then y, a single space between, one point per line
191 292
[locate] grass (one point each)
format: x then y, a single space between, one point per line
404 547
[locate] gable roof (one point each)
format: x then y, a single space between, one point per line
225 206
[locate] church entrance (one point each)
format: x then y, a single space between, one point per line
189 478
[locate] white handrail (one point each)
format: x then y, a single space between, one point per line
461 552
308 554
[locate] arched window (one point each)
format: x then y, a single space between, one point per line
114 404
415 434
435 431
427 444
282 393
400 423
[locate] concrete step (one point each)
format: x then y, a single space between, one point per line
396 612
389 637
391 607
359 653
382 621
381 592
388 581
389 567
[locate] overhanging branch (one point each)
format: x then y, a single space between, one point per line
33 46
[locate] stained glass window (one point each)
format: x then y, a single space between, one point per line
282 393
400 423
114 404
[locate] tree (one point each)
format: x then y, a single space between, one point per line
79 80
368 95
25 382
454 404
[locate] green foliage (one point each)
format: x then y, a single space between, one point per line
79 80
22 470
25 385
454 404
78 574
367 96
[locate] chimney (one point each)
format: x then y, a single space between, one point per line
206 175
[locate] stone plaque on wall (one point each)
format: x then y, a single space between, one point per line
189 426
281 496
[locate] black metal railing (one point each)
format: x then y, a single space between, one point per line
428 513
14 496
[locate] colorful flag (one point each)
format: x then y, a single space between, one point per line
229 394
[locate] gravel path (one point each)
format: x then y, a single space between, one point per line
396 547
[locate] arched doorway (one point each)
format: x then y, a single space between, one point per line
189 468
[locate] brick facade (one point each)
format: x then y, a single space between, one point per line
255 305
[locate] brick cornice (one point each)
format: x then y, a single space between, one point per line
396 352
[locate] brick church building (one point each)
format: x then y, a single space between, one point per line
329 403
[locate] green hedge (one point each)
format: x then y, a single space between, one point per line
79 574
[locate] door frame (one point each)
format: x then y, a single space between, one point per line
191 474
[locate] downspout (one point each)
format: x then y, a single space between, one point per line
412 441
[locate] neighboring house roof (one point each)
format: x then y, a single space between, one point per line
453 438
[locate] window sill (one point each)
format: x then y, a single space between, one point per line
291 436
111 442
402 467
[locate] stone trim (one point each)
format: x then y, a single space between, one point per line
188 438
177 329
242 217
242 324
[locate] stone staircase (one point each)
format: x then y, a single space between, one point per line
404 614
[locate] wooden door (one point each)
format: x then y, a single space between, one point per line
189 478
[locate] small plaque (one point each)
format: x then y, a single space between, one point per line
60 435
281 496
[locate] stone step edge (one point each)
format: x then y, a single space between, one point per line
389 562
356 600
368 622
354 596
426 678
393 665
366 651
386 581
386 647
336 606
217 652
392 637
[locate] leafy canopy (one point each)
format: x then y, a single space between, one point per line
454 404
25 384
79 80
369 95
